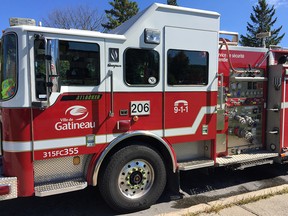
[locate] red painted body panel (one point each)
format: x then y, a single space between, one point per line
122 100
16 124
56 122
20 165
4 190
284 112
186 117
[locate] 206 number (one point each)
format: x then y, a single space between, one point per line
140 108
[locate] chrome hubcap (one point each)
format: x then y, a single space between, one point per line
136 179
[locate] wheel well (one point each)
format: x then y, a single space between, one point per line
150 142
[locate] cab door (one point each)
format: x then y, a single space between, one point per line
73 120
190 90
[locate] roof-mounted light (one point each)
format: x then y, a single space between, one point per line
152 36
21 21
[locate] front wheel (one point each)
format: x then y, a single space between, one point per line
133 179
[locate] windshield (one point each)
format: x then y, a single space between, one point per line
8 66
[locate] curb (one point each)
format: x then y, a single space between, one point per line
205 207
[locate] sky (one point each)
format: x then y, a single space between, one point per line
234 13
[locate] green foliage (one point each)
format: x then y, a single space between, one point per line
262 21
122 10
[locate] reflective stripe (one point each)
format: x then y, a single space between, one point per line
191 130
14 146
10 146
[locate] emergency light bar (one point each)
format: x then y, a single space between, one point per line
14 21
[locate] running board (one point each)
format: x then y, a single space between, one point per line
195 164
59 188
242 166
246 158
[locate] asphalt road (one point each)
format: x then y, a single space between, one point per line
197 186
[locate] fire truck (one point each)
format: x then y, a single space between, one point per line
127 111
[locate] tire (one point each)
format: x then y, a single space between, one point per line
133 179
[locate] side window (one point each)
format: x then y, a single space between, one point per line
8 66
141 67
79 63
187 67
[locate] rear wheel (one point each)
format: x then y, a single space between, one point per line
133 179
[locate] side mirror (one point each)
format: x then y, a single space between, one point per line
52 61
52 77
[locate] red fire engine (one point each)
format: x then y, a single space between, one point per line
127 111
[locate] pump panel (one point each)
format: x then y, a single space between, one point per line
244 109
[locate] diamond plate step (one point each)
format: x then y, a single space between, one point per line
11 183
244 158
60 187
196 164
253 163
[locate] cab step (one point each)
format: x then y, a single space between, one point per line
195 164
8 188
43 190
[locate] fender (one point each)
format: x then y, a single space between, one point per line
122 138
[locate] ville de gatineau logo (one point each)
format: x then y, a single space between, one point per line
74 119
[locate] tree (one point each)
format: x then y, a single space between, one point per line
122 10
81 17
172 2
262 21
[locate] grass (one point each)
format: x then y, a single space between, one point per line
219 207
